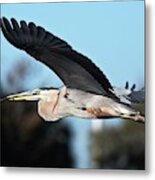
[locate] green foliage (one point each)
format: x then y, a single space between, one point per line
120 147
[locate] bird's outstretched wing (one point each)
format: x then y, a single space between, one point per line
135 96
132 97
138 96
74 69
137 99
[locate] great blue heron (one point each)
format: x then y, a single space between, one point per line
86 93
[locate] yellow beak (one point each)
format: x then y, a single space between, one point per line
25 96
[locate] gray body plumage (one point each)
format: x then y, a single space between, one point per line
73 102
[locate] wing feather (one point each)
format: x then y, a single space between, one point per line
75 70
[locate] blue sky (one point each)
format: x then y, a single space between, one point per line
109 33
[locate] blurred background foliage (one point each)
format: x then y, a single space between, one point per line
27 140
119 147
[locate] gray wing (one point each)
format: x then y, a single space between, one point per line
74 69
137 96
137 99
130 96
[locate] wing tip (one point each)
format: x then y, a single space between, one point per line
5 23
2 21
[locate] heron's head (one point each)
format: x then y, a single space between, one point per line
46 94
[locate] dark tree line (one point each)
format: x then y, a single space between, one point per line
120 147
26 139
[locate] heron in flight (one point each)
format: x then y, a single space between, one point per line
86 93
